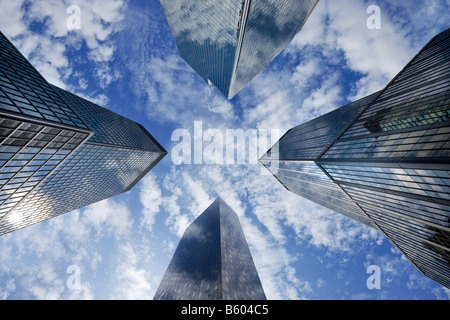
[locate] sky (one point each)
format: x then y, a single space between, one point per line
123 58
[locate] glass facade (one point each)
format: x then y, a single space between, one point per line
270 27
229 42
307 179
310 140
297 151
59 152
29 152
109 127
24 91
206 34
391 160
212 261
92 173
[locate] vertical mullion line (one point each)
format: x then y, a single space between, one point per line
52 171
243 27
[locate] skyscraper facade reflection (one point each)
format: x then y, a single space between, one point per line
385 160
59 152
212 261
229 42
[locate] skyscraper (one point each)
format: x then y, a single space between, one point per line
384 160
229 42
212 261
60 152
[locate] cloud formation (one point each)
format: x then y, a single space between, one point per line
122 245
40 30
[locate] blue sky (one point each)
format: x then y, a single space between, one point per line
124 59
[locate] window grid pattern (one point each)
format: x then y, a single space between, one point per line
109 127
240 280
408 122
430 213
47 164
432 143
194 272
28 154
435 276
393 160
441 41
427 257
206 33
208 36
24 91
212 261
271 26
309 140
309 181
418 226
416 112
428 183
93 173
411 117
412 228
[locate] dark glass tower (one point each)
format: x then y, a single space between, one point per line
384 160
212 261
229 42
59 152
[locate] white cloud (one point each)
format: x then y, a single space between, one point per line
108 216
320 283
325 228
168 102
442 293
265 210
133 281
151 200
48 50
43 282
7 287
340 26
311 81
71 239
280 97
168 90
11 18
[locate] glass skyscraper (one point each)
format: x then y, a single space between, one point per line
60 152
212 261
229 42
384 160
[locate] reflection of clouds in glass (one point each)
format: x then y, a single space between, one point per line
206 34
194 271
306 179
229 42
25 215
76 183
26 168
271 26
442 239
416 225
110 128
240 278
128 165
212 261
425 183
200 21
